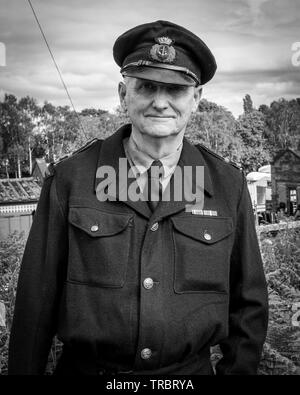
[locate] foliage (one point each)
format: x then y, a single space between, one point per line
12 134
215 127
250 128
239 140
11 251
282 129
248 104
29 130
281 257
58 129
92 112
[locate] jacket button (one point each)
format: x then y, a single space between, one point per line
94 228
154 227
146 353
207 236
148 283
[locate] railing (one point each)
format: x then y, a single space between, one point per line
284 225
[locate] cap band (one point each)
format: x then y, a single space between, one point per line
161 66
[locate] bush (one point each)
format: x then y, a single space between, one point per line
11 252
281 257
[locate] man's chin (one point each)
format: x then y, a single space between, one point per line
160 131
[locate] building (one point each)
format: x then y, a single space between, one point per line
19 198
40 170
259 185
18 201
285 174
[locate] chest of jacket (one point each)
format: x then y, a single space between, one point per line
189 253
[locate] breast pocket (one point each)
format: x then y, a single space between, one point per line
202 249
99 247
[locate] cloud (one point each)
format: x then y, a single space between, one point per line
255 7
228 88
251 40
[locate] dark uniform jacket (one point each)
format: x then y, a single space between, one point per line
85 262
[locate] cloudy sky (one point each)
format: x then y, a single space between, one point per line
251 40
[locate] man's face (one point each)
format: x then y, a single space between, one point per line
157 109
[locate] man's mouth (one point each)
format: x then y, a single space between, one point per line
160 116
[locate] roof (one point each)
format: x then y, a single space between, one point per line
258 176
282 152
265 169
19 190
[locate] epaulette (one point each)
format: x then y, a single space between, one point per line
52 165
83 148
201 146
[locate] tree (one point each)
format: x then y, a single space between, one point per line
28 130
29 118
282 124
58 129
247 104
101 126
13 134
251 128
92 112
215 127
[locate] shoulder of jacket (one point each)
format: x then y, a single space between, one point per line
52 165
72 154
202 147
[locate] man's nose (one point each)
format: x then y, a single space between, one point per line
160 99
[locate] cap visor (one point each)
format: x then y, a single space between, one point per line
160 75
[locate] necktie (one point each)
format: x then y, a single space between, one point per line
154 190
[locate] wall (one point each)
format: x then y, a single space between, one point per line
15 222
285 173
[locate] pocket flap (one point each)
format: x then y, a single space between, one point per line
207 230
98 223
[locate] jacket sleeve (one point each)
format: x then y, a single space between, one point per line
248 306
39 286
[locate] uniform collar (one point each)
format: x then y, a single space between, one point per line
112 150
142 161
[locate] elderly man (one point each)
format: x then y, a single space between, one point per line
144 285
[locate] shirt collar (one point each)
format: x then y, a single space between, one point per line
142 161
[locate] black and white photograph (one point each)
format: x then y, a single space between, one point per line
149 190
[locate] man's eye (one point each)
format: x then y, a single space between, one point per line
177 89
148 86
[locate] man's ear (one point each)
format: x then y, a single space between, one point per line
122 94
197 97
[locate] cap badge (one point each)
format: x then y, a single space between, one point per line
163 51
